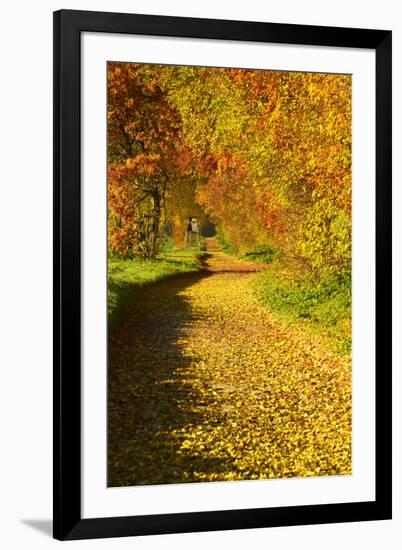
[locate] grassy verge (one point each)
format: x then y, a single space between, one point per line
126 278
323 307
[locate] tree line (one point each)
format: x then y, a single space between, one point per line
265 154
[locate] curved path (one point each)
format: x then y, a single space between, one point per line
204 385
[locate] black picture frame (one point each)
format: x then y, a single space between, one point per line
68 522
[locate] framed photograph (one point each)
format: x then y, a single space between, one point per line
222 274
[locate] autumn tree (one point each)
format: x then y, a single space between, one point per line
143 132
302 154
266 154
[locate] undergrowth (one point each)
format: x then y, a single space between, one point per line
323 305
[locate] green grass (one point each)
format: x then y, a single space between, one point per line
126 278
323 306
226 247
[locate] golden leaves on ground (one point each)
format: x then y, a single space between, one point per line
204 386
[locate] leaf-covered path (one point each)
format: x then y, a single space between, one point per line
205 385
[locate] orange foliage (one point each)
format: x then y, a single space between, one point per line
266 154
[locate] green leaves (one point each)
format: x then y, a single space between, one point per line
325 236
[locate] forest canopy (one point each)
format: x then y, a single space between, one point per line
264 155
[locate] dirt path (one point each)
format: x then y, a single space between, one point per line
204 385
216 260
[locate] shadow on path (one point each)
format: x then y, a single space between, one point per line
151 399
